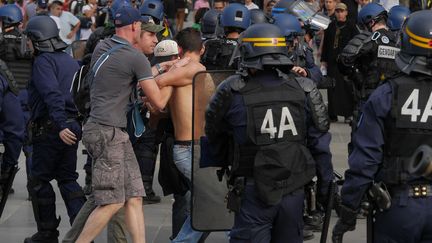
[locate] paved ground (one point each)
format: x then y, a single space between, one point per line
17 221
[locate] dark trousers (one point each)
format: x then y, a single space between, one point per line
53 159
409 220
257 222
146 149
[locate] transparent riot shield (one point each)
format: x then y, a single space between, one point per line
209 211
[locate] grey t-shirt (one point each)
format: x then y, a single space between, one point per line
112 87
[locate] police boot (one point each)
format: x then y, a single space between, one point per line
47 233
313 222
151 197
308 235
88 181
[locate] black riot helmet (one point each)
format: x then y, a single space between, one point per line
416 44
263 45
209 23
44 34
258 16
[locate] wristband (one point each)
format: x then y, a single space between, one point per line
159 68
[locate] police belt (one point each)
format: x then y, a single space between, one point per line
46 123
412 190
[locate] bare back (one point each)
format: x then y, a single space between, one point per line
180 105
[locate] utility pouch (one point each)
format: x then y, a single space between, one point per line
235 194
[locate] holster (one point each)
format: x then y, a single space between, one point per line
379 196
235 193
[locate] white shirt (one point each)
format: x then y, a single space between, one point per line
388 4
252 5
85 33
67 22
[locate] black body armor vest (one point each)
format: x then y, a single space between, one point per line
275 154
409 126
18 57
218 53
379 62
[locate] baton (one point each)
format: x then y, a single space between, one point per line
327 215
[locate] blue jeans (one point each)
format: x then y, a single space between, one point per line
182 228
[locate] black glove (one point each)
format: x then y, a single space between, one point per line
346 222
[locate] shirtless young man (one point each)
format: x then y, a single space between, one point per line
180 106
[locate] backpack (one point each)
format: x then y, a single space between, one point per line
77 9
82 80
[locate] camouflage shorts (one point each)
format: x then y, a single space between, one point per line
116 175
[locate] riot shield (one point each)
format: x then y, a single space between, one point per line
6 185
208 209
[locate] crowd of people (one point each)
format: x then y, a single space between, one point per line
128 93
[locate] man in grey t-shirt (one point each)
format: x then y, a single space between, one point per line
116 176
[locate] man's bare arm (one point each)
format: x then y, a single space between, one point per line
169 65
180 76
158 97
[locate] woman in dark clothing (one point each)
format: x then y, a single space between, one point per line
336 37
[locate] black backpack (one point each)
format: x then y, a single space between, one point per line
82 80
77 10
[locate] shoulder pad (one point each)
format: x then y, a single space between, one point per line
307 84
355 44
235 82
6 73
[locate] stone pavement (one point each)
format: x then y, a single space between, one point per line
17 221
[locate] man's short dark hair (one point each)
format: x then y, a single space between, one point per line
219 1
199 14
58 3
189 40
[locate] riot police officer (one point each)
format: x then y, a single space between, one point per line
258 16
12 125
396 16
218 54
55 129
13 48
300 53
155 9
209 24
395 121
276 141
369 57
12 128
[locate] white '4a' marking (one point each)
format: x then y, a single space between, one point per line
286 123
410 107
